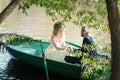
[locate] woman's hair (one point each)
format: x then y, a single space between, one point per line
57 25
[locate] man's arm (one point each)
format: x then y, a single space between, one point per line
87 42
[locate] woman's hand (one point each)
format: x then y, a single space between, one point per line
68 48
65 47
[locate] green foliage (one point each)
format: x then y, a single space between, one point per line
107 49
94 68
82 12
53 8
15 38
89 48
119 6
93 14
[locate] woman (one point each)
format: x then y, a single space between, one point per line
57 49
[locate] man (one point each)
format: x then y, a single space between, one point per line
87 47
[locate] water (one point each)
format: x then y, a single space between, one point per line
4 58
39 26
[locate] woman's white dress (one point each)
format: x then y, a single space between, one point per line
52 53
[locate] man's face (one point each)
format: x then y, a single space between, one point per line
83 32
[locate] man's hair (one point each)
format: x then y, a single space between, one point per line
83 27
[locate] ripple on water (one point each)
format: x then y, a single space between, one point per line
8 77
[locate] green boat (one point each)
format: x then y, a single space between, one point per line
30 53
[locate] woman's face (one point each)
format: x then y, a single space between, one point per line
61 29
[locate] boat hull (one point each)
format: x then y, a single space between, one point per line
65 69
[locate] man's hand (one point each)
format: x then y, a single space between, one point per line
69 49
77 56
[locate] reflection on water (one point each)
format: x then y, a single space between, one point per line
4 58
19 71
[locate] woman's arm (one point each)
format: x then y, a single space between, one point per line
56 46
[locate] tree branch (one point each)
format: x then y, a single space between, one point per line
6 12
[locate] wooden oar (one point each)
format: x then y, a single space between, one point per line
45 63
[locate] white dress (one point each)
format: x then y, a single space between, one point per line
52 53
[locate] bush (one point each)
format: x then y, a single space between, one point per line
95 67
13 37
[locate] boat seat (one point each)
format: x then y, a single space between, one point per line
30 51
26 50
